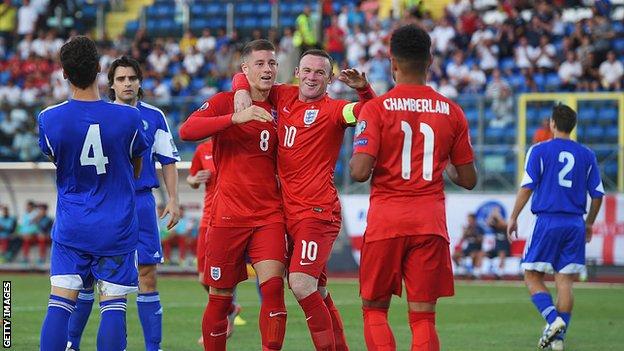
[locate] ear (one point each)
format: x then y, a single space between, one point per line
245 67
393 64
99 68
64 75
297 71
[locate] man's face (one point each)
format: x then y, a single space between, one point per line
314 73
260 67
126 84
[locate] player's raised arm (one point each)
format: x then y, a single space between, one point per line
355 80
242 89
208 120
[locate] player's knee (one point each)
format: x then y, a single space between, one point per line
221 291
422 306
301 286
147 278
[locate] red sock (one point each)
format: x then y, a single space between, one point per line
339 337
42 247
214 323
167 249
273 315
182 247
4 245
319 322
377 332
424 335
26 248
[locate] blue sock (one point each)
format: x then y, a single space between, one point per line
112 333
566 316
150 314
79 318
54 329
544 304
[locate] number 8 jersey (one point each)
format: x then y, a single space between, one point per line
246 190
92 144
413 132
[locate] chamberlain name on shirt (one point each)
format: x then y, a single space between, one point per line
417 105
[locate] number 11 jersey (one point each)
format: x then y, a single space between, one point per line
412 132
92 144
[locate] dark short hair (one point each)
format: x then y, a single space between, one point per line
80 61
564 118
319 53
123 61
256 45
410 46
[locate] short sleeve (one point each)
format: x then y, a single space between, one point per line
461 152
532 169
164 146
138 143
44 142
368 131
196 164
594 182
344 114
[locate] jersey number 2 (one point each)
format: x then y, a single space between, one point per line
93 141
406 154
568 160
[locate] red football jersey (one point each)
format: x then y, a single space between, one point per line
413 132
203 161
310 136
246 189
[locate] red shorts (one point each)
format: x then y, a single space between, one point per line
311 242
423 261
227 248
202 236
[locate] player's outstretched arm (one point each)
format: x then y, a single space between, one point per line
521 200
242 89
463 175
361 166
594 207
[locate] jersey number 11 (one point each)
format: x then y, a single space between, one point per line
406 154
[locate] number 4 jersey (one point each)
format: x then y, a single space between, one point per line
413 132
92 144
246 188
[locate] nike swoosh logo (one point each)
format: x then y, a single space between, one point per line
275 314
305 263
213 334
307 319
285 110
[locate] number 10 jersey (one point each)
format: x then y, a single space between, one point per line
413 132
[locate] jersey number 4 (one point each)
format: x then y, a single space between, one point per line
406 154
93 141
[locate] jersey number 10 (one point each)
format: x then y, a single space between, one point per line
406 154
93 141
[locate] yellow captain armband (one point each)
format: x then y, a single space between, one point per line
347 113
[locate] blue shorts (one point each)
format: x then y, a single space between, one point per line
149 248
76 270
557 245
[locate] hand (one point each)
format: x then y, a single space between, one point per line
202 176
242 100
353 78
252 113
512 229
588 232
174 210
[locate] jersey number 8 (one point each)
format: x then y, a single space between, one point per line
93 141
264 140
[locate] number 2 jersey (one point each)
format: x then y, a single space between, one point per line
246 192
92 144
561 172
412 132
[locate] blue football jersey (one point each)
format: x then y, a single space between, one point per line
561 172
160 145
92 144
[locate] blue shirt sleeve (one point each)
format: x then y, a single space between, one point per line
138 144
164 146
594 183
532 169
44 142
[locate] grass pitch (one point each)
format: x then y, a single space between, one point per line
481 317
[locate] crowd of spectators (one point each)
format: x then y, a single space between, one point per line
520 48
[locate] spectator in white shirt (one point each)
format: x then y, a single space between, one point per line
457 71
206 43
162 92
26 18
611 72
10 94
524 54
24 48
570 71
356 46
193 61
53 44
457 8
476 79
546 53
39 46
442 36
447 89
159 60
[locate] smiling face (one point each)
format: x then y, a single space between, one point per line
126 85
314 73
260 67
